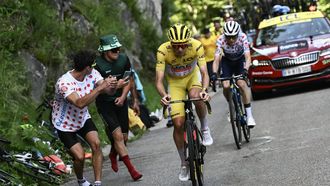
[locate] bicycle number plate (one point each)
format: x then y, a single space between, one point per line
296 70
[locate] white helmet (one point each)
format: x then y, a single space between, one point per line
231 28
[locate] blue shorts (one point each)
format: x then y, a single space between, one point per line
228 67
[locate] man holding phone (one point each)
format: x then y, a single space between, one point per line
114 109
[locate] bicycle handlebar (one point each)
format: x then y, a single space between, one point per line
240 76
209 109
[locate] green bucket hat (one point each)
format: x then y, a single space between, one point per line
108 42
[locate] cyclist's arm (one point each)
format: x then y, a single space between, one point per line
217 55
160 71
247 53
205 77
247 56
159 83
217 61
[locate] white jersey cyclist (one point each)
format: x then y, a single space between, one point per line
66 116
233 52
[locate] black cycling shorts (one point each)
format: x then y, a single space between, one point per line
70 138
113 116
229 67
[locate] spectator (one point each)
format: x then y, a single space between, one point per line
216 29
209 43
114 109
144 112
74 91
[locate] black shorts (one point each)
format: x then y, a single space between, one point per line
70 138
229 67
113 116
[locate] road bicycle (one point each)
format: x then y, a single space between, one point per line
25 165
194 149
238 118
8 179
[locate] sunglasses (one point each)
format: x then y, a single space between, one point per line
177 46
115 50
231 37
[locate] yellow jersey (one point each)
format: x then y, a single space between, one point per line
210 46
182 66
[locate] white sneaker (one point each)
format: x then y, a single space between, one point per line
84 182
184 173
207 138
250 122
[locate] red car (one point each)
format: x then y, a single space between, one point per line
288 50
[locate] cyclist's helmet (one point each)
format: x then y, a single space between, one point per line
179 33
231 28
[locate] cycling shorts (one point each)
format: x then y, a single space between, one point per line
178 87
113 116
229 67
70 138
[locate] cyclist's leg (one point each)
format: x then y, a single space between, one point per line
246 92
195 87
177 90
227 71
239 69
76 151
90 134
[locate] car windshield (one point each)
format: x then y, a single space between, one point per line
280 33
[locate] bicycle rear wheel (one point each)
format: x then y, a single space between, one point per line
234 122
191 151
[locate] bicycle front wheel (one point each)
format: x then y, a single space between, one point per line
191 151
235 123
245 128
201 150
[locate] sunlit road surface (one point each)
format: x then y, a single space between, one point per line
289 146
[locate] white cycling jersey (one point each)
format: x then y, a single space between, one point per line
235 51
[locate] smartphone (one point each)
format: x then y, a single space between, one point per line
127 73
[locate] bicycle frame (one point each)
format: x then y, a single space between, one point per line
194 149
238 117
26 165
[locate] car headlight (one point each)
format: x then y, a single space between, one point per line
325 52
260 63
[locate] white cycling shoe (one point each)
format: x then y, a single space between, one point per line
184 173
207 138
250 122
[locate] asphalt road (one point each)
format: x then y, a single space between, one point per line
289 146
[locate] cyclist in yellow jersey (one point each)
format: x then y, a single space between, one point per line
181 61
